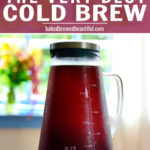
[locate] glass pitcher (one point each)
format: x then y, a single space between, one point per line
75 116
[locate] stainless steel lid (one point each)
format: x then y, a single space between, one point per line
83 45
74 49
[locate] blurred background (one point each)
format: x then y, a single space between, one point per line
24 71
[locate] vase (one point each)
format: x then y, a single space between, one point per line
10 101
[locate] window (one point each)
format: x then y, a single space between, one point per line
27 102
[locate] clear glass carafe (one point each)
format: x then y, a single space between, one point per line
75 116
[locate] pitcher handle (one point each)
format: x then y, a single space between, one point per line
120 100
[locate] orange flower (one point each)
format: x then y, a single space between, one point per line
27 61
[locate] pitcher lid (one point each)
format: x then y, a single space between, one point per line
74 49
84 45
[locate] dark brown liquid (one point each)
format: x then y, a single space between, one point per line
75 115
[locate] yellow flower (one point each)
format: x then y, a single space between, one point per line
4 55
4 49
4 61
5 46
37 55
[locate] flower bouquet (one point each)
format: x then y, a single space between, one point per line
17 67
